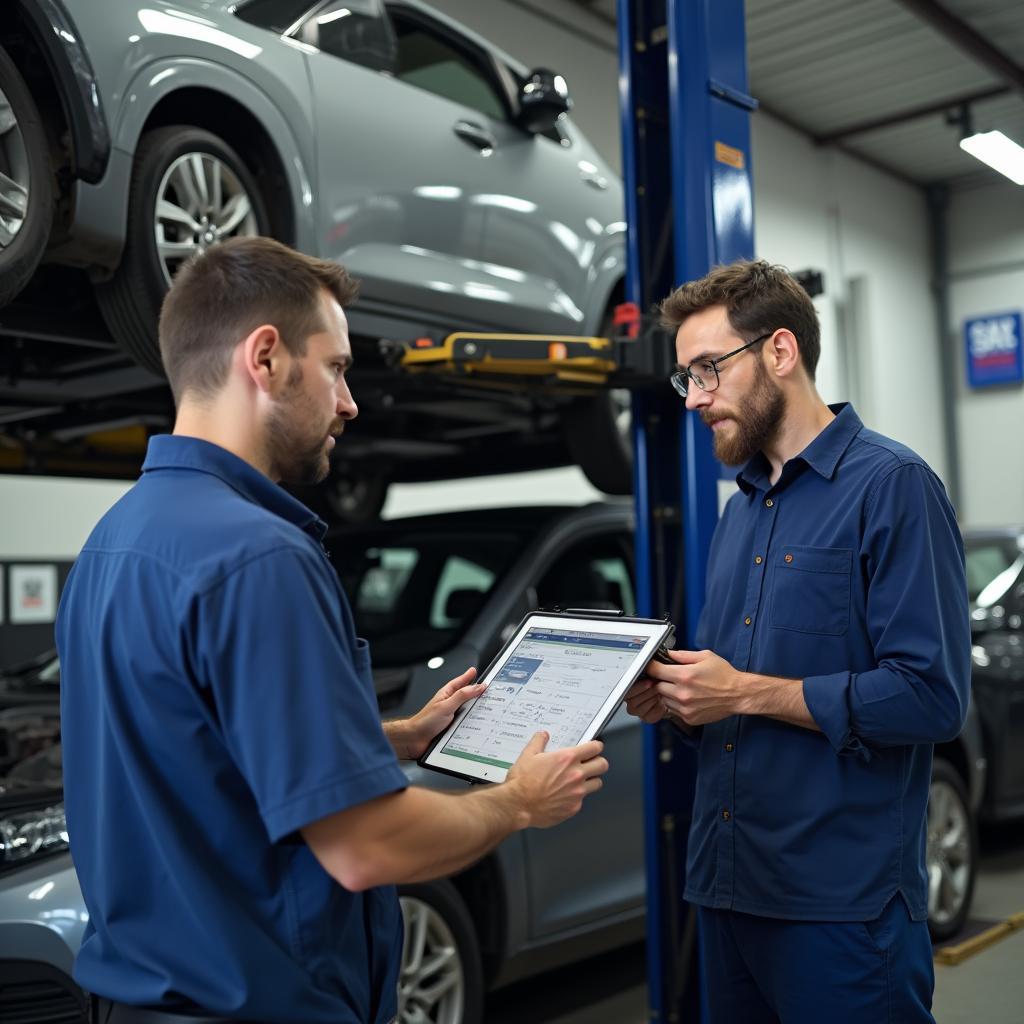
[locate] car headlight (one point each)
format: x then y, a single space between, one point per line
32 834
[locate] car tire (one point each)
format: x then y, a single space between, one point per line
345 498
27 192
442 978
952 852
174 211
600 442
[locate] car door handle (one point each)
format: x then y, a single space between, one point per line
476 135
598 181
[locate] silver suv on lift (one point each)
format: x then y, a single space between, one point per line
444 174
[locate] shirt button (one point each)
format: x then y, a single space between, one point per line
726 815
758 560
728 748
747 621
789 558
769 503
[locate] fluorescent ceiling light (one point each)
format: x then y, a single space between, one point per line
999 152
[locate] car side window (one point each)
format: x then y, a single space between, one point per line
592 574
461 591
275 15
387 573
430 59
354 30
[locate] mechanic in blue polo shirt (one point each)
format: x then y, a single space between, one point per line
837 653
238 817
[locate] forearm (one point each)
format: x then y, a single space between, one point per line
451 831
416 835
891 705
775 697
398 734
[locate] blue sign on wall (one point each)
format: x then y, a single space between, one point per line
994 350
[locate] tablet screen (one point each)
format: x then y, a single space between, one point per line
555 676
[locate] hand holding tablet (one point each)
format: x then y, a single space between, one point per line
551 786
562 673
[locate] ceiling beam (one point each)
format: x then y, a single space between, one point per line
968 39
855 154
888 120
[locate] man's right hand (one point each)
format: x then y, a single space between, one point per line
552 785
644 702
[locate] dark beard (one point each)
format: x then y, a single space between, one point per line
293 459
757 423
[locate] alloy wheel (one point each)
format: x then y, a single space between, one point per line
431 987
14 174
949 852
200 201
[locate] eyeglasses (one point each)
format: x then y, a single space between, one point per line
704 373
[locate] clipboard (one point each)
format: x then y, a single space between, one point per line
563 671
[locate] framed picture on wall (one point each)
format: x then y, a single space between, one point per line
33 593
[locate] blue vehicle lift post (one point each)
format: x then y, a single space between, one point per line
686 168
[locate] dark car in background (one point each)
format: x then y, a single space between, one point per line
995 579
433 595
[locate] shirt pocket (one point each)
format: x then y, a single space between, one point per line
811 590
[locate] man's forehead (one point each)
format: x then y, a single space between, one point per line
703 333
336 326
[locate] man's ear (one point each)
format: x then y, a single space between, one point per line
783 353
263 356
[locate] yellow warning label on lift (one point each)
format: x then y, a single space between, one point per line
728 155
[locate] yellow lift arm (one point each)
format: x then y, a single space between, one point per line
494 360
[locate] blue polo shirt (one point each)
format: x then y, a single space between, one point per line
215 700
847 573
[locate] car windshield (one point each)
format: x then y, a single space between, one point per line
993 565
414 595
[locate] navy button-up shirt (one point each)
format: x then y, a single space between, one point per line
847 573
215 700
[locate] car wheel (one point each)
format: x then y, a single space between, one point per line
952 855
598 432
26 183
441 980
345 497
189 190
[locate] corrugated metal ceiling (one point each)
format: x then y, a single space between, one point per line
825 66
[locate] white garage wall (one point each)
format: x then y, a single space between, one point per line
51 517
986 228
868 232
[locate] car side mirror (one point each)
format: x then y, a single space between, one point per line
543 99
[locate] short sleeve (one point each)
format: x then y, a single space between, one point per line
292 691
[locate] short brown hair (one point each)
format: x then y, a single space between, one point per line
758 297
220 296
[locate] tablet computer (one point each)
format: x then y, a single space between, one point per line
560 671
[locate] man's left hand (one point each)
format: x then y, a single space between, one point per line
699 688
412 736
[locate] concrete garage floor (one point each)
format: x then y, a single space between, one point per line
987 988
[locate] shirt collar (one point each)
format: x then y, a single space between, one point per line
170 451
822 454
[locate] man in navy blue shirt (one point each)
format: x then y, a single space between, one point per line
836 652
238 817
